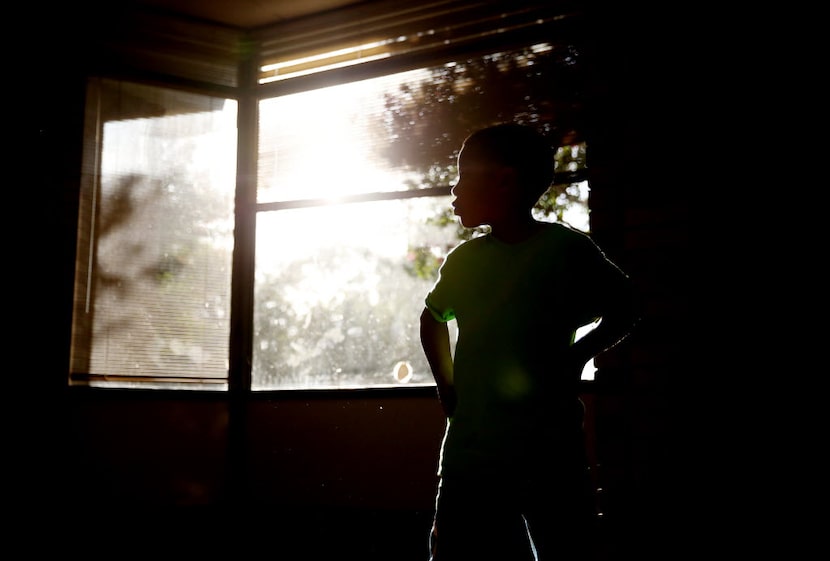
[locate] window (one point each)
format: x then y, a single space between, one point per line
350 217
152 288
337 289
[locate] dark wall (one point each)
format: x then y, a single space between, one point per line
366 452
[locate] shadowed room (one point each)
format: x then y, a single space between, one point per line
246 204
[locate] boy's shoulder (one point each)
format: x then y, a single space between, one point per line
565 229
551 234
567 233
559 233
556 230
464 247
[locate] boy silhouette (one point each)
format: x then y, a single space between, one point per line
514 479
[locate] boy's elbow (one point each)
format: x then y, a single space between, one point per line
427 322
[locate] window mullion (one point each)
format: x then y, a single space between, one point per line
242 281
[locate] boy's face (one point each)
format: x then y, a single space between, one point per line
480 191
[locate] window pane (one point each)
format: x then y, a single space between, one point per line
339 290
340 287
327 143
155 238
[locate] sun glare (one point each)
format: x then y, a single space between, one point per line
320 145
339 58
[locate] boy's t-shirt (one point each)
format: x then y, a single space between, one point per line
517 308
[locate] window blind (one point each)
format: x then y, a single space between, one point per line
380 34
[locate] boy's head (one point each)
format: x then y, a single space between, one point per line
518 147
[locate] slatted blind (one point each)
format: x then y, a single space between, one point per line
406 35
151 45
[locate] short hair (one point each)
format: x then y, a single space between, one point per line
519 147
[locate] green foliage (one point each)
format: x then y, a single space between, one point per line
422 262
351 336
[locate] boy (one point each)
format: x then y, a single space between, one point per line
514 480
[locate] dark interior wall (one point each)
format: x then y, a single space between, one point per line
359 452
144 450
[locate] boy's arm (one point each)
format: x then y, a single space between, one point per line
620 314
435 340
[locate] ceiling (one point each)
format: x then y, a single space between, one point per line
245 14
